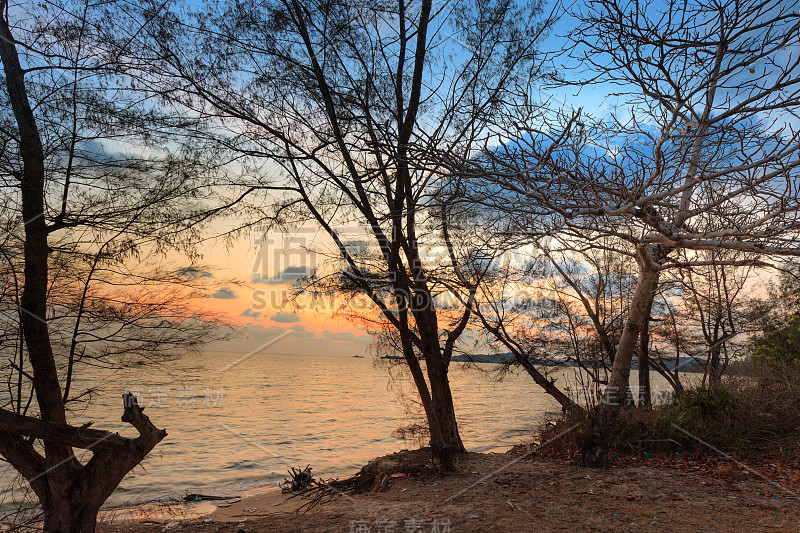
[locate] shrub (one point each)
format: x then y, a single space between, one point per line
757 412
780 346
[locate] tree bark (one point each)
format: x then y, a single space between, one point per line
67 514
714 366
595 447
645 396
445 439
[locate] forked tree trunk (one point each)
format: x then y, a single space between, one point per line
69 492
70 503
595 446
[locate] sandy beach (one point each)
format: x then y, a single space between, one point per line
271 502
513 492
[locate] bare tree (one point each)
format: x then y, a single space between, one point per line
336 110
561 307
94 189
700 154
714 309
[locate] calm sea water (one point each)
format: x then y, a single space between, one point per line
235 425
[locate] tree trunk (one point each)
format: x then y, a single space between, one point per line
445 440
714 367
437 400
70 502
595 447
549 386
435 395
645 396
70 493
66 515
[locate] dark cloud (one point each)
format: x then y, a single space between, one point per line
285 318
225 293
250 313
288 275
191 272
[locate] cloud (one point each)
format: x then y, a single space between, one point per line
340 336
288 275
225 293
191 272
356 247
301 332
285 318
252 314
259 331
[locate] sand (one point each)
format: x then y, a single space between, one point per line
271 502
512 492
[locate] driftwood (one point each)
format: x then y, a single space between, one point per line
205 497
303 485
301 481
323 491
376 476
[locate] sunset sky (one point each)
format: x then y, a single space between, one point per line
252 282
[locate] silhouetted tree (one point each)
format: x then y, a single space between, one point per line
94 189
336 109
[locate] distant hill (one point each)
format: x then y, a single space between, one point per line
686 364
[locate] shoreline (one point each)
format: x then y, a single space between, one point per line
514 490
260 501
256 502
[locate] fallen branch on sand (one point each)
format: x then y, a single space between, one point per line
376 476
205 497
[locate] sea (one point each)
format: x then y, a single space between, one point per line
239 422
